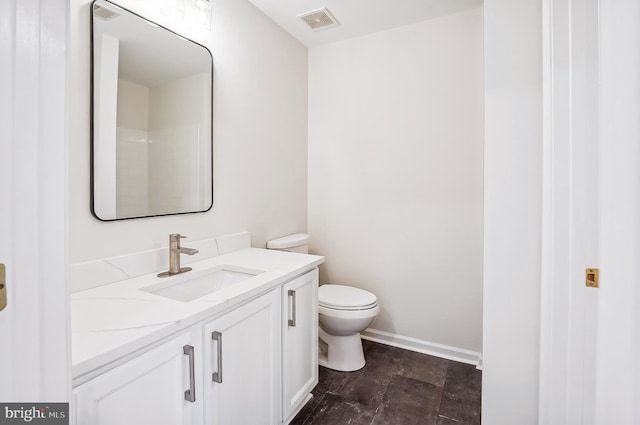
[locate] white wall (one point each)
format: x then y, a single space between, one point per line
132 150
133 106
395 173
106 53
512 211
260 133
177 129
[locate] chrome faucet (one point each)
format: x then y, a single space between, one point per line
174 256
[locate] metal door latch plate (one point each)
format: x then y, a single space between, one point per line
591 278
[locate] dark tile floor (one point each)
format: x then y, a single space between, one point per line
396 387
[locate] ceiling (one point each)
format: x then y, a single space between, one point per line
148 54
356 17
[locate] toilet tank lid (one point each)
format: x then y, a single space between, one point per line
290 241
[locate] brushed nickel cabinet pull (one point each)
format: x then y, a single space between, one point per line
292 321
190 394
217 376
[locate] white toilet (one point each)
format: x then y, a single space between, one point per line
344 312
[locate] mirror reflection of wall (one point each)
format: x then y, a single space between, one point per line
152 118
149 123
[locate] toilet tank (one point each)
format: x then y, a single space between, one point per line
292 243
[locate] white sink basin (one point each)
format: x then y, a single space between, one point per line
184 288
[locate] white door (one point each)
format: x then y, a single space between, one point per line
299 341
241 364
34 351
618 312
589 336
156 388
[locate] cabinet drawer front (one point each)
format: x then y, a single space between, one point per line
149 389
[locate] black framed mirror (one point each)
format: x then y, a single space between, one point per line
151 118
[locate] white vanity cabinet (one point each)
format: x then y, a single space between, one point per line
242 364
150 389
254 364
299 342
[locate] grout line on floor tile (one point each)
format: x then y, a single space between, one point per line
451 419
375 413
444 385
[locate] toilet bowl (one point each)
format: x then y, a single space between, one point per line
344 312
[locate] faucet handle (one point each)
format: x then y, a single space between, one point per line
174 237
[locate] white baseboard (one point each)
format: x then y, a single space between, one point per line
434 349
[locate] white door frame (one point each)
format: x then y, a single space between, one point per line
35 347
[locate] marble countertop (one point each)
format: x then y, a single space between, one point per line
114 320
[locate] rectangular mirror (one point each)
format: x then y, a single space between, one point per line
151 131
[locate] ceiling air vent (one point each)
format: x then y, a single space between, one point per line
319 19
104 12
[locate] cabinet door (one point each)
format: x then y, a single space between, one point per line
299 341
149 389
241 364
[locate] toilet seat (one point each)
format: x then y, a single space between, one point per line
345 298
